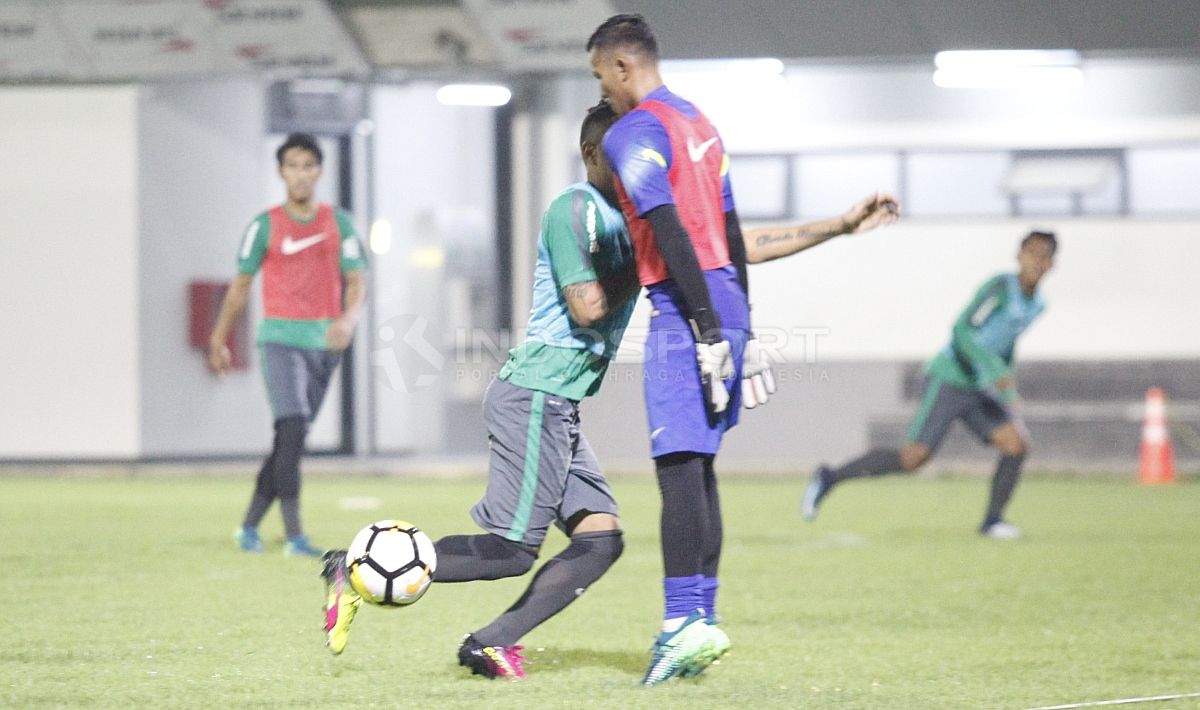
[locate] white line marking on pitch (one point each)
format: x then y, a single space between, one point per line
1123 701
360 503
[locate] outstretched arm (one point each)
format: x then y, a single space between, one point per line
769 243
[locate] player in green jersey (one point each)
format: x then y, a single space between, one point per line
313 292
542 471
970 380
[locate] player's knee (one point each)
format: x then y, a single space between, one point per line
1016 447
913 457
511 559
586 521
605 545
1010 442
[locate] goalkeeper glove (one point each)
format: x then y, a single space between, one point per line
716 366
758 381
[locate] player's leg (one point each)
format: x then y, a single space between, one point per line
596 543
529 455
941 404
994 425
308 374
531 444
281 396
718 644
685 638
588 514
682 436
247 535
713 538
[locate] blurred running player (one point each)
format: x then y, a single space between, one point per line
970 380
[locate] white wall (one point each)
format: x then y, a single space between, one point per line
1120 289
69 383
434 185
201 183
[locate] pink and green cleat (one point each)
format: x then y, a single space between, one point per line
341 601
491 661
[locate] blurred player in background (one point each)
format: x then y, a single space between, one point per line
542 469
674 188
970 380
313 292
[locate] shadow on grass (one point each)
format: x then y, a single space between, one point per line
569 659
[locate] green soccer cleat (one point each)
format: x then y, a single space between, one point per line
677 651
341 601
299 546
247 540
717 646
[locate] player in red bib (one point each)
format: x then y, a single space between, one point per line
313 292
674 188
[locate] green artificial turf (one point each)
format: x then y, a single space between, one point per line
128 593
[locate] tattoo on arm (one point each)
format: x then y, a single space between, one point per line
793 234
576 291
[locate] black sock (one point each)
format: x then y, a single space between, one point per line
289 446
684 524
1008 470
558 583
264 490
875 462
466 558
290 508
714 531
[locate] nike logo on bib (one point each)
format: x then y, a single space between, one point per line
294 246
696 152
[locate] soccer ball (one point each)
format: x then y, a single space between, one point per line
391 563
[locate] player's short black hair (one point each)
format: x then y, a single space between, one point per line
1044 234
626 30
299 140
596 123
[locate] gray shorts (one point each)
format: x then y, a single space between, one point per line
943 402
542 470
297 378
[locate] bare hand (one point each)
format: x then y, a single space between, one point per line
220 360
339 335
875 211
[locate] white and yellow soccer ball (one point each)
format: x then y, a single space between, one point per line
391 563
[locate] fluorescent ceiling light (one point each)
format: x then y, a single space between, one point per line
474 95
1006 68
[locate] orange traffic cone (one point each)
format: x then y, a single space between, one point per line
1158 459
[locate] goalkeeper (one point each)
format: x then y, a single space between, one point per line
970 380
675 191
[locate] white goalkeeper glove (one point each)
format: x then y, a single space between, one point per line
758 381
716 366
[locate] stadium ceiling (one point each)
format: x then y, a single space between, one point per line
47 41
850 29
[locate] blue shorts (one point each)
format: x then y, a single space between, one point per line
675 408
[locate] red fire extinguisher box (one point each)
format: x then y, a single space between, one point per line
204 305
